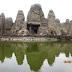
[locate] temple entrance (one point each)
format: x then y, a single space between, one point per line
33 29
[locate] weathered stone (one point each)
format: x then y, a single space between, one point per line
51 19
51 22
8 22
18 23
35 14
71 21
57 27
34 18
66 27
36 24
5 25
71 28
63 32
44 27
24 30
19 27
8 25
20 19
2 24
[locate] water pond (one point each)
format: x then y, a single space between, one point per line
36 57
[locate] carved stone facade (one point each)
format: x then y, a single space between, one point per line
8 26
66 27
2 24
36 24
19 27
35 15
5 25
44 27
53 24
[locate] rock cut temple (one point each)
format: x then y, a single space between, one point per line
36 24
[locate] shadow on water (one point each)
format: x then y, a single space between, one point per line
36 52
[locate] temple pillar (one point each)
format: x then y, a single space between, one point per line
30 28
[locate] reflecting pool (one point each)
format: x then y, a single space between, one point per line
36 57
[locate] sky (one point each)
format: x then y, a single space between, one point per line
61 8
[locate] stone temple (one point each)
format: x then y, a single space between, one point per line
36 24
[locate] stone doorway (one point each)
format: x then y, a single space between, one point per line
33 29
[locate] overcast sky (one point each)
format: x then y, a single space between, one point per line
61 8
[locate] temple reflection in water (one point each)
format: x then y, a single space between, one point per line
35 53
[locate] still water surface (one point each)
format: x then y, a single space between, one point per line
35 57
